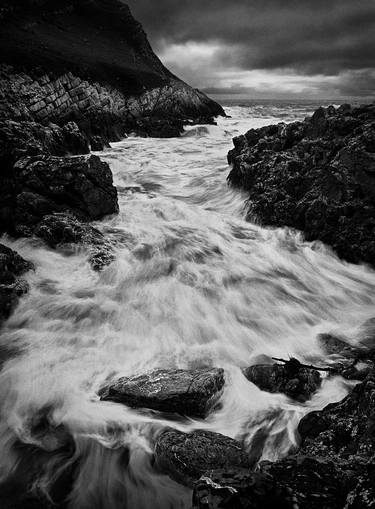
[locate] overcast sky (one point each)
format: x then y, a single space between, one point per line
268 48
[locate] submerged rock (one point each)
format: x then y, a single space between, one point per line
291 378
12 265
187 392
317 175
46 184
186 456
61 229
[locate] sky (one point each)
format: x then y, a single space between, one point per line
266 48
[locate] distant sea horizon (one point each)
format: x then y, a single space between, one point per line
247 100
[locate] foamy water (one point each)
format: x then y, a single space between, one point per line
193 285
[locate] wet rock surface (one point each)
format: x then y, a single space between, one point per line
46 184
187 392
291 378
317 176
12 265
59 230
186 456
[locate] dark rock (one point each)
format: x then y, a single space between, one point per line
97 144
158 128
316 175
343 429
186 456
187 392
12 287
61 229
78 185
291 378
118 77
240 489
333 345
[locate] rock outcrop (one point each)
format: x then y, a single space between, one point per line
186 456
43 185
333 468
291 378
89 61
317 175
187 392
12 265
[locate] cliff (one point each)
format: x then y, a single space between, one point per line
317 176
89 61
74 76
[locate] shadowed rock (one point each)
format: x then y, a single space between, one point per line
78 185
317 175
12 265
240 489
60 229
186 456
291 378
187 392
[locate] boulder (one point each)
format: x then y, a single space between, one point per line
317 176
61 229
187 392
187 456
79 185
291 378
12 265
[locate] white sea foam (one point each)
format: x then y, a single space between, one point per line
193 284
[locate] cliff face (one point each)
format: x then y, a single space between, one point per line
316 175
88 61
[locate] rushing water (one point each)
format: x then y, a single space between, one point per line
193 285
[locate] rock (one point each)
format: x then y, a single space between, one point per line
61 229
96 144
291 378
317 176
295 482
158 128
186 456
343 429
187 392
240 489
333 345
81 186
102 84
12 287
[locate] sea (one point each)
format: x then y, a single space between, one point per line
193 285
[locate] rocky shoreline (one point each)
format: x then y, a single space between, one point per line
60 98
317 176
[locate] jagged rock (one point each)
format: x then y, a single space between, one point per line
20 139
12 265
291 378
288 484
78 185
343 429
61 229
186 456
97 144
119 78
187 392
317 175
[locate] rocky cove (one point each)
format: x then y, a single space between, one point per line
141 312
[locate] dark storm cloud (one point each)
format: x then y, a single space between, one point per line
311 36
